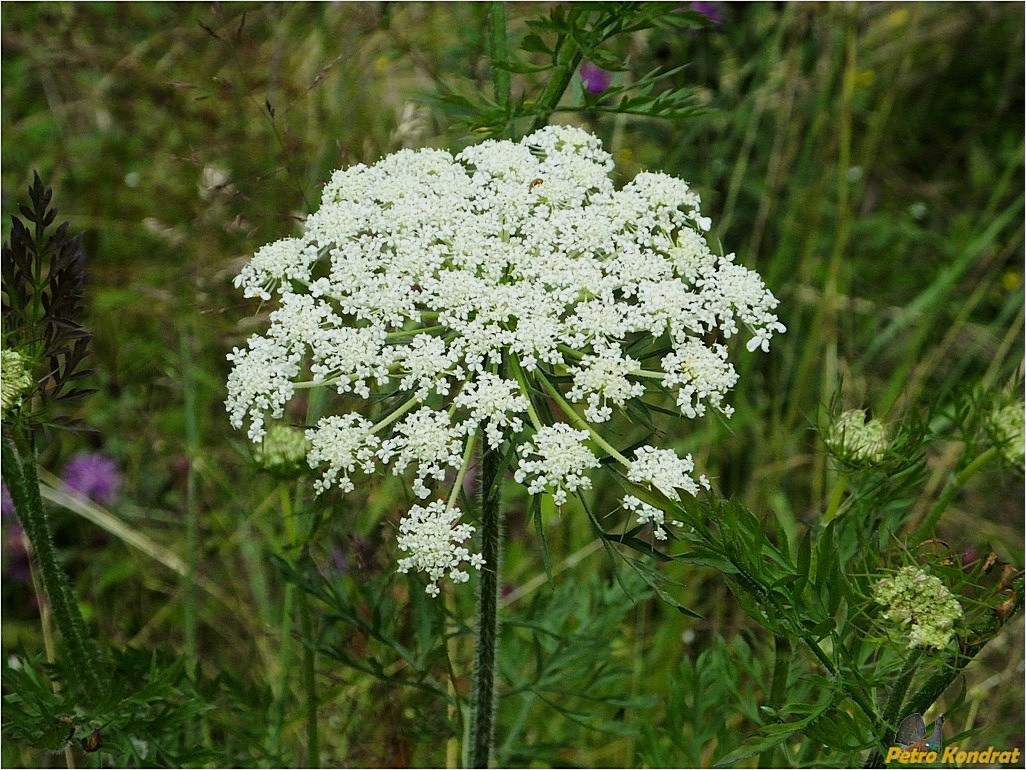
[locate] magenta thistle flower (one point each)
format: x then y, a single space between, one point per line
94 475
595 79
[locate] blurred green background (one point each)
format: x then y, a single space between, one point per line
866 159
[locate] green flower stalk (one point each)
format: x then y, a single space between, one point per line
857 444
43 349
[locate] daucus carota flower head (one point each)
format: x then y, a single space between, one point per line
920 602
473 296
557 461
854 439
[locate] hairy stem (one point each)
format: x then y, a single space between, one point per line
19 472
482 698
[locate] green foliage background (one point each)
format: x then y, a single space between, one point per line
867 160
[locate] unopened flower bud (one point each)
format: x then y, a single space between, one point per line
15 381
853 438
283 449
1006 424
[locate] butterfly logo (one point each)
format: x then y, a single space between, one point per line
912 733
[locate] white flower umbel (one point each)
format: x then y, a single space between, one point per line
342 444
427 438
495 403
432 536
647 514
1006 426
437 297
602 380
664 470
557 461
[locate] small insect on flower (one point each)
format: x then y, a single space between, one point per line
92 742
912 733
535 183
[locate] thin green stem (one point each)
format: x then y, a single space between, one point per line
313 753
954 486
457 485
385 422
306 620
568 58
783 653
579 421
830 319
835 499
483 699
285 635
192 442
521 378
498 52
19 472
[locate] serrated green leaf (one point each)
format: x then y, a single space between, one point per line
770 736
804 554
520 68
533 43
708 559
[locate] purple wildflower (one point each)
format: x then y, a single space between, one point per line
711 11
6 503
338 560
94 475
595 79
15 557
